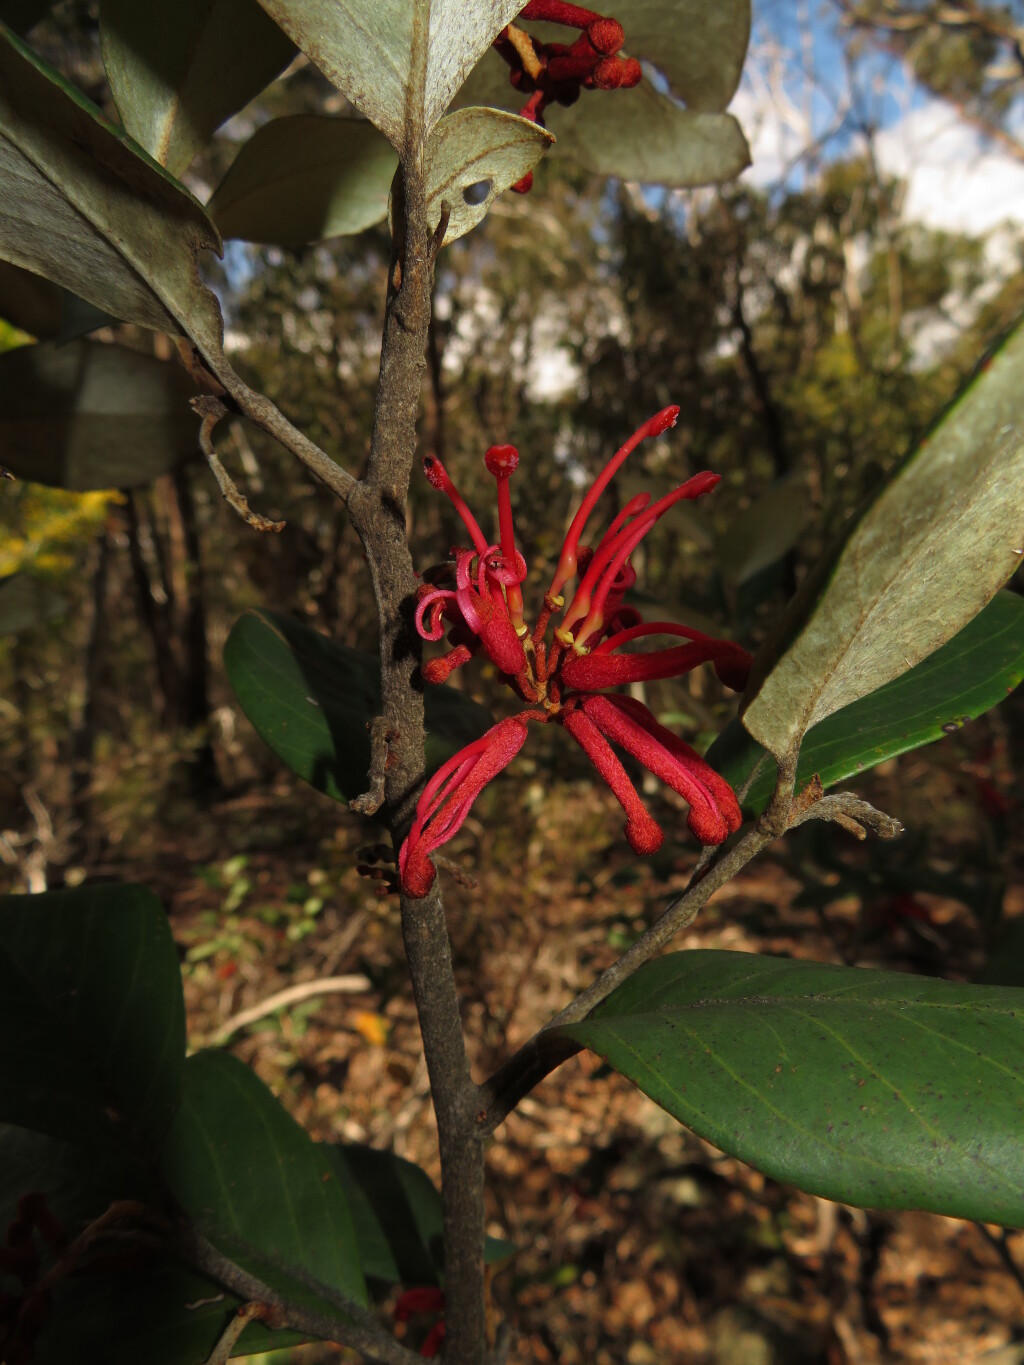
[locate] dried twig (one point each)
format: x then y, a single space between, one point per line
221 1353
211 410
292 995
853 814
381 735
211 370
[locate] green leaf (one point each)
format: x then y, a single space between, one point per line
699 48
91 1015
78 1185
398 1218
157 1312
637 134
178 70
161 1314
256 1184
763 532
85 207
310 700
929 552
304 179
975 671
91 415
472 156
25 602
398 61
645 134
870 1088
44 310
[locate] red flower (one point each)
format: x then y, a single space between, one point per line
413 1302
481 605
555 73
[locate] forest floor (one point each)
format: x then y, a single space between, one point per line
639 1244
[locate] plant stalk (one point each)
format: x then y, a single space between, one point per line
377 507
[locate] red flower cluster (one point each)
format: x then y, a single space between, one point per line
555 73
481 605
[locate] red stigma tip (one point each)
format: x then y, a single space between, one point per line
664 419
501 461
632 73
607 35
435 472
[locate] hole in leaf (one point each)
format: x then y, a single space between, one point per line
476 193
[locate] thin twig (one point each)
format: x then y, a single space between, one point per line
853 814
354 1326
381 735
437 240
121 1211
262 412
1001 1245
211 410
548 1049
221 1353
293 995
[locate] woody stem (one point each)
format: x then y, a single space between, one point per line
377 509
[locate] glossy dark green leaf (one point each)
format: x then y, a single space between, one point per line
398 1218
178 68
160 1314
870 1088
953 686
310 700
92 1022
256 1184
84 206
90 415
306 178
928 553
78 1185
26 602
43 309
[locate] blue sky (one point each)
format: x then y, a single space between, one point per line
800 93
